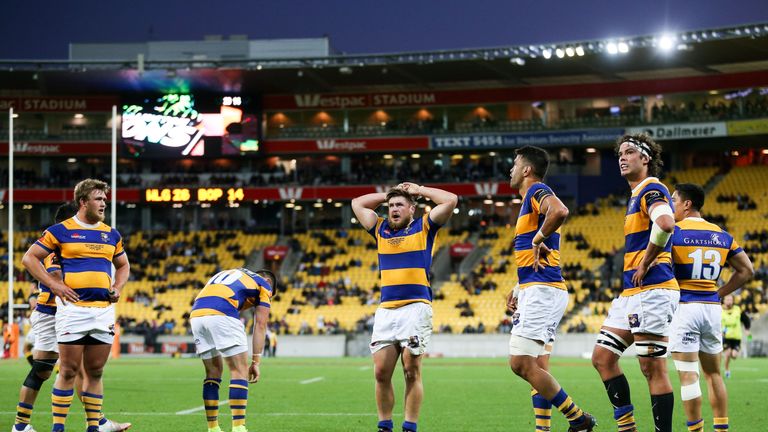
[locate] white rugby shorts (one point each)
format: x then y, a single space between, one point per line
408 326
75 322
218 335
648 312
697 327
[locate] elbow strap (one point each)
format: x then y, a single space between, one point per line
659 237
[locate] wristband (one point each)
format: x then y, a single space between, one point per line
543 237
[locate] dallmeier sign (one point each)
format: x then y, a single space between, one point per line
683 131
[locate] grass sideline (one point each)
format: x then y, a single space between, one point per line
300 394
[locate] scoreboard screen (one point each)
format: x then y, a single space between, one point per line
185 125
202 195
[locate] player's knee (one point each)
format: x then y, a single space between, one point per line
689 379
653 369
520 365
69 371
40 371
412 373
603 361
383 376
95 372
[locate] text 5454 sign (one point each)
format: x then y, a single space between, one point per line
182 195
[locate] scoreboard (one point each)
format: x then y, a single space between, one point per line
184 195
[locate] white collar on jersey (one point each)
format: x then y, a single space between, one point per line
695 219
83 224
642 183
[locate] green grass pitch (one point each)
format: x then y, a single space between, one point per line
337 395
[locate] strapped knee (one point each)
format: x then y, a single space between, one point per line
693 390
651 348
612 342
44 366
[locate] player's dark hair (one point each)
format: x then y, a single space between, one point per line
395 192
537 157
267 274
653 148
691 192
64 212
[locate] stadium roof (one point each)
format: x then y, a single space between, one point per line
695 53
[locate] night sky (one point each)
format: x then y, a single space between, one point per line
43 29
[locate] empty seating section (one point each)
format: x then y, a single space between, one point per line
700 176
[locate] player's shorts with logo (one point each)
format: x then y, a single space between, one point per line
76 322
43 333
696 327
539 311
216 334
646 312
408 326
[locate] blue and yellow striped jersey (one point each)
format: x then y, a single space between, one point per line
637 232
230 291
699 252
529 221
46 301
405 258
85 254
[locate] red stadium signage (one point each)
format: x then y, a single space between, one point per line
460 250
318 101
347 145
55 148
284 193
73 104
275 252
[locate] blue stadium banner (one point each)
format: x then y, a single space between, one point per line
541 139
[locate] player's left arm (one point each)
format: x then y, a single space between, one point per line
663 226
555 213
260 321
742 273
122 271
446 201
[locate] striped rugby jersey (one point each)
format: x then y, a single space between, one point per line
46 301
529 221
231 291
637 232
405 258
699 251
85 253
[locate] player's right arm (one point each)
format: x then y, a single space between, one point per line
260 321
32 262
742 273
364 209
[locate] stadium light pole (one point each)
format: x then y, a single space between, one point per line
113 213
10 215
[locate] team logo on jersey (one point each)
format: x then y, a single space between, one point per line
105 237
77 236
632 202
515 319
634 320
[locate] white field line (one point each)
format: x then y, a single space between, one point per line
200 408
312 380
